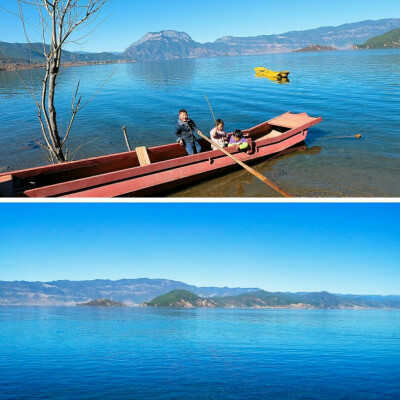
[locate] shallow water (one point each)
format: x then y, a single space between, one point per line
136 353
354 92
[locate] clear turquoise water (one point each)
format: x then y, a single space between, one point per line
354 92
136 353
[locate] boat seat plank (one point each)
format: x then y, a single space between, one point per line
272 134
143 155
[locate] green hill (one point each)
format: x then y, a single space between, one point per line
180 298
259 298
389 40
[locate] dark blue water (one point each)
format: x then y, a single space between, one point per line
136 353
354 91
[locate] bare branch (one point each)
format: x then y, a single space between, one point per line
30 91
98 90
80 146
21 15
74 110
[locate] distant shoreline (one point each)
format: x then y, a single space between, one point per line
19 66
22 66
289 308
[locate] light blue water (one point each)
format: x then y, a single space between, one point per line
137 353
354 91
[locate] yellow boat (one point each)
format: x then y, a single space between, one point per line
261 71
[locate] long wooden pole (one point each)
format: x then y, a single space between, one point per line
126 138
212 112
358 136
261 177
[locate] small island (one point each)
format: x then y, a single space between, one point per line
314 47
102 303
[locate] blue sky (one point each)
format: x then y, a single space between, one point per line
126 21
338 247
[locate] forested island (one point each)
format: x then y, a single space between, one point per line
262 299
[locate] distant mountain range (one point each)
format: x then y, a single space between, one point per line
263 299
134 292
170 44
389 40
25 53
129 291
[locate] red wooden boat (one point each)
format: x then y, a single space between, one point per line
146 172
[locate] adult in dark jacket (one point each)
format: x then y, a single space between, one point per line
184 132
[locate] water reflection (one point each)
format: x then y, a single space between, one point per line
145 98
273 78
242 184
13 83
166 73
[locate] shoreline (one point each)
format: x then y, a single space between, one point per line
20 66
135 306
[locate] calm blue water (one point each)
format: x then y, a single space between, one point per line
354 92
136 353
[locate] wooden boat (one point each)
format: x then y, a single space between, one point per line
261 71
146 172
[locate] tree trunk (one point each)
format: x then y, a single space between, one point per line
53 114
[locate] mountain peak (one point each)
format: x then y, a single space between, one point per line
224 39
165 45
171 34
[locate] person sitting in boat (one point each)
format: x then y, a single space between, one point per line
237 139
218 135
184 132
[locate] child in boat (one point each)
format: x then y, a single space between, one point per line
184 132
237 139
218 135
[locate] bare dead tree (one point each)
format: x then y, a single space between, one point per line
59 19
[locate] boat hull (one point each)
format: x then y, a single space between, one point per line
261 71
122 175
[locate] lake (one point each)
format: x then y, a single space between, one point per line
142 353
354 92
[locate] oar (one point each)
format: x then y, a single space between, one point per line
261 177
